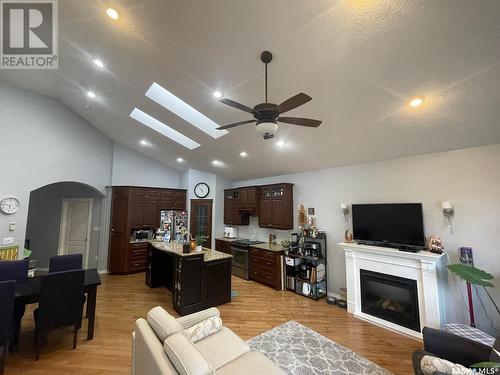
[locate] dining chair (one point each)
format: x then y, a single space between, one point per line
67 262
15 270
60 305
7 292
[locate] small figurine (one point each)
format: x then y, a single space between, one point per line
434 245
348 236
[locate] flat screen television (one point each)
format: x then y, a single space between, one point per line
393 224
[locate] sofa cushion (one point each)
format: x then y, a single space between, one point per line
190 320
222 347
186 359
162 323
430 364
249 364
203 329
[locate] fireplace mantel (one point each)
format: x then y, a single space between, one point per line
424 267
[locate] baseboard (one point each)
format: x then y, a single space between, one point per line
102 272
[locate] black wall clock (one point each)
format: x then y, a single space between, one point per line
201 190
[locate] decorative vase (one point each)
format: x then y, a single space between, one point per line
193 245
198 248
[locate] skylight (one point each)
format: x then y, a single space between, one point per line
161 128
171 102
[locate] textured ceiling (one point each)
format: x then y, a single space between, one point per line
360 60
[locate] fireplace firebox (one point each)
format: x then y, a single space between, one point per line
391 298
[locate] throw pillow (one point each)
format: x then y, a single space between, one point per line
430 364
203 329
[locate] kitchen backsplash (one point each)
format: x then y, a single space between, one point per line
262 234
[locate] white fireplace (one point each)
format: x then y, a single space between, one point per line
421 269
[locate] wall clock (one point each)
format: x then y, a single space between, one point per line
9 205
201 190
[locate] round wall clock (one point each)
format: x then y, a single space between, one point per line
9 205
201 190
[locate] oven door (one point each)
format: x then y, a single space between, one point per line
240 262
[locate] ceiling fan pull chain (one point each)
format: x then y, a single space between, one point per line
266 82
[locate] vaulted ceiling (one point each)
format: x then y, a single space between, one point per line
362 61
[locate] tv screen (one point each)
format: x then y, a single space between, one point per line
395 223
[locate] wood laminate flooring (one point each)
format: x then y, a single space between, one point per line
257 308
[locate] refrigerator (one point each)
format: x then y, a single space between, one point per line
171 223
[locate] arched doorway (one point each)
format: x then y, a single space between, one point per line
64 217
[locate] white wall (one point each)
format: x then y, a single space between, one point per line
44 220
469 178
131 168
43 142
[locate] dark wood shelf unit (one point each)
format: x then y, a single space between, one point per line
223 246
135 208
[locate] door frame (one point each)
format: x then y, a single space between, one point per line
64 224
191 221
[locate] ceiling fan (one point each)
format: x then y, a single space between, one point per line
267 115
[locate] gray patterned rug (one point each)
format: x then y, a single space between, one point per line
299 350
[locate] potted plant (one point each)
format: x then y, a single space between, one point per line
200 240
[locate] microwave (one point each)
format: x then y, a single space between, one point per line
138 235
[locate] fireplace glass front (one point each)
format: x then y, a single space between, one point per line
391 298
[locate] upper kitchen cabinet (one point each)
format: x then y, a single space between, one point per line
248 197
276 206
173 199
232 216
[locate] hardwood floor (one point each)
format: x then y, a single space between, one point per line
256 309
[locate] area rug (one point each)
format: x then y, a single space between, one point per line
299 350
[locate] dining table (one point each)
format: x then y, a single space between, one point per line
28 291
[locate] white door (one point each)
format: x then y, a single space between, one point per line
74 235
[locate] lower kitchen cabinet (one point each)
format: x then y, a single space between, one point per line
266 267
223 246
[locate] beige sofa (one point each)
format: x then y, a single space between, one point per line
196 344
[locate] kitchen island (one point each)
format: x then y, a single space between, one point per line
197 280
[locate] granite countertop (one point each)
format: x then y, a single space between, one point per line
266 246
208 254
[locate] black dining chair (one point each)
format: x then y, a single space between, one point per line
60 305
7 292
68 262
15 270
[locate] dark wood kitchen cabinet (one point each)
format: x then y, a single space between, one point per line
276 206
233 216
266 267
136 208
223 246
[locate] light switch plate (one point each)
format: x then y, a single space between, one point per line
7 240
12 227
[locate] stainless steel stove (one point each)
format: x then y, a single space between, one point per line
240 250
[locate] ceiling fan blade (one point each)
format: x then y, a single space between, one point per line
235 124
294 102
237 105
300 121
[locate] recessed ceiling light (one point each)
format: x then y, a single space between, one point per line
280 143
91 95
416 102
243 154
180 160
217 94
144 142
216 162
98 63
171 102
112 13
163 129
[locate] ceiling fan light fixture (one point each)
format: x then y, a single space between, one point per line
267 129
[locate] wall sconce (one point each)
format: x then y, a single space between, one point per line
345 210
448 212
